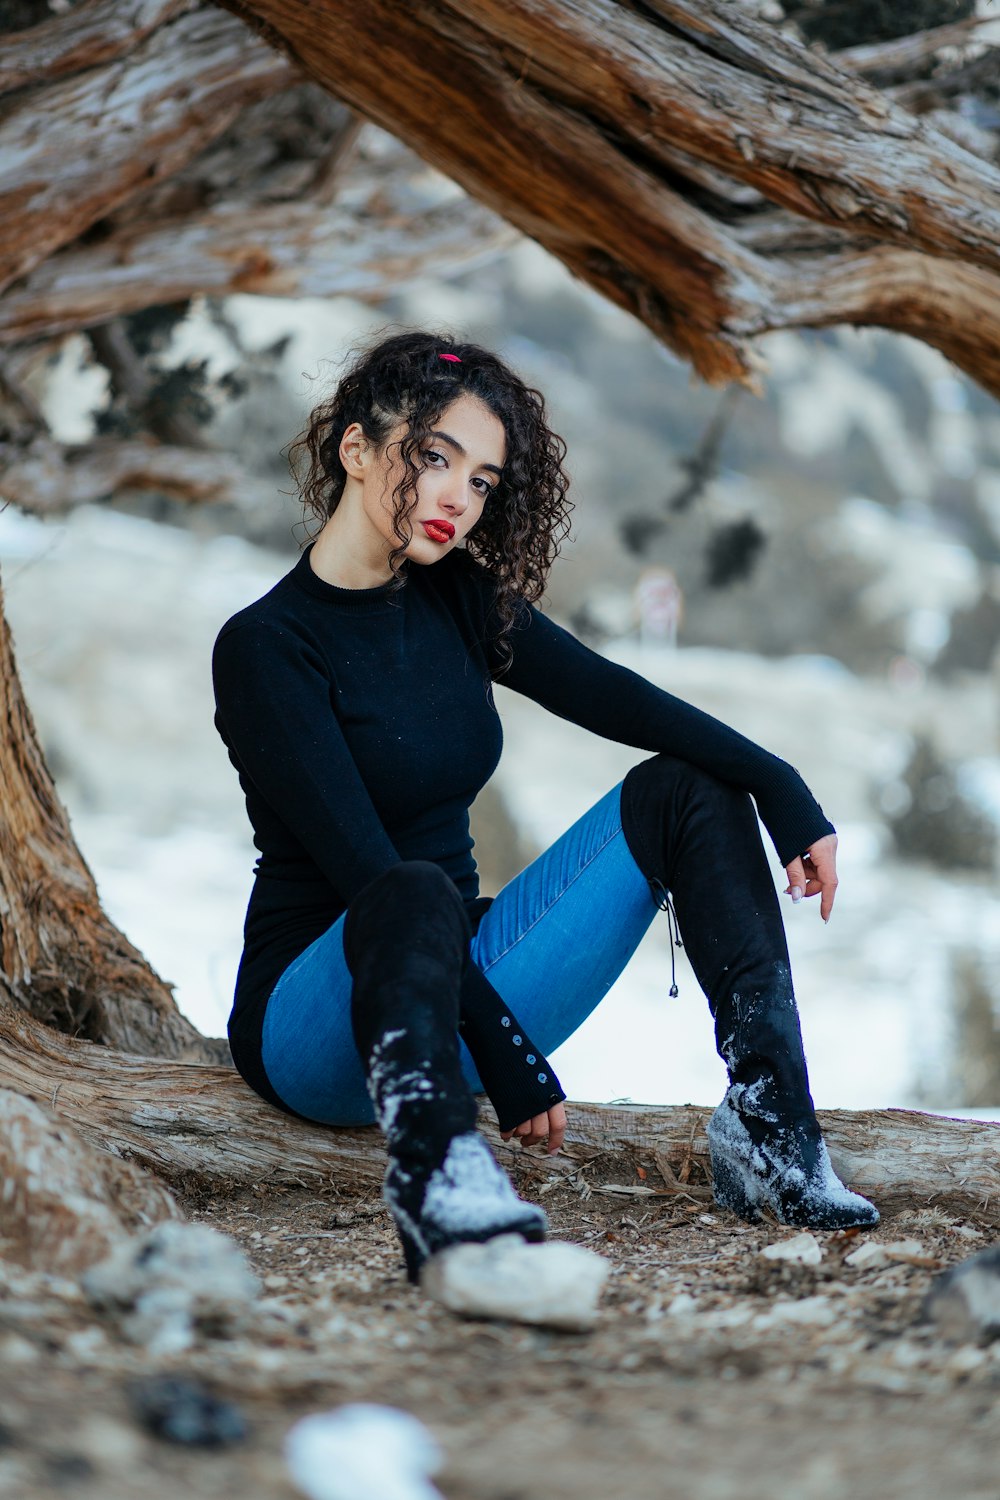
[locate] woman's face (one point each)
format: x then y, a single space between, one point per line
460 468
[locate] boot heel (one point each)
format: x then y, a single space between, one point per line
729 1188
414 1257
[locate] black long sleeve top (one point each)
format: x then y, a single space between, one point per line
362 725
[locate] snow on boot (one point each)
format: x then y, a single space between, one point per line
762 1160
468 1199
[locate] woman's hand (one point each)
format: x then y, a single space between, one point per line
815 874
551 1124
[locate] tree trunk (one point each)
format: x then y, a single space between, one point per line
573 120
62 960
194 1124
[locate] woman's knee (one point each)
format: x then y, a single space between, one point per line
417 879
413 894
695 784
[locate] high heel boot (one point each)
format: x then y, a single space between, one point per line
697 839
406 938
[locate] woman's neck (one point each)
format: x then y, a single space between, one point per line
344 561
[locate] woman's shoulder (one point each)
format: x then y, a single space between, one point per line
276 614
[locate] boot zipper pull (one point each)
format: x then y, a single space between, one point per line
662 898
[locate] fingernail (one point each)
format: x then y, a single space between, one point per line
796 894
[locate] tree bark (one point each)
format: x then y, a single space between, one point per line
195 1124
62 960
48 478
140 118
566 116
299 249
92 33
65 1204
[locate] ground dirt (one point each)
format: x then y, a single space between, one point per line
713 1373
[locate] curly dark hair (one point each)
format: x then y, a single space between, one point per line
400 376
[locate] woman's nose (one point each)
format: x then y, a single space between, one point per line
455 498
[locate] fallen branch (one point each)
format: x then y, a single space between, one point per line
191 1124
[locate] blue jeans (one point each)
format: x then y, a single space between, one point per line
552 944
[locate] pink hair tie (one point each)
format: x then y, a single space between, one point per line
453 357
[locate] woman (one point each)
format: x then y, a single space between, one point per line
355 699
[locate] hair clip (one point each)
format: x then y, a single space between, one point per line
453 357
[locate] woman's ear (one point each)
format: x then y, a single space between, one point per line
354 451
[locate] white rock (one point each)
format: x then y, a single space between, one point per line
802 1250
814 1311
555 1285
867 1256
871 1255
164 1282
363 1452
683 1306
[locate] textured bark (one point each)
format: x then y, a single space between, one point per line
139 118
570 118
48 478
301 249
91 34
65 1204
61 959
191 1124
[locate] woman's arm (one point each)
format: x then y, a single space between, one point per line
556 670
274 712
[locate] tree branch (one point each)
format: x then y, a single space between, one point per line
137 119
568 119
49 478
90 34
295 249
61 958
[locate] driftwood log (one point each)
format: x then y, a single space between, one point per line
198 1125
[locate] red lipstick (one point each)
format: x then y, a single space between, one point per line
439 531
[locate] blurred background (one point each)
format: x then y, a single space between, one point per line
819 567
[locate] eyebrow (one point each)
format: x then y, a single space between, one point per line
447 438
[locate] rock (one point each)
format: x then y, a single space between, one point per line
870 1256
867 1257
554 1285
817 1312
362 1451
66 1204
174 1281
964 1301
183 1410
801 1250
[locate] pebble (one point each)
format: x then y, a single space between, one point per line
802 1250
183 1410
166 1282
362 1451
554 1285
870 1255
964 1301
816 1311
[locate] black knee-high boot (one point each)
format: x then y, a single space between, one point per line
406 941
697 839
